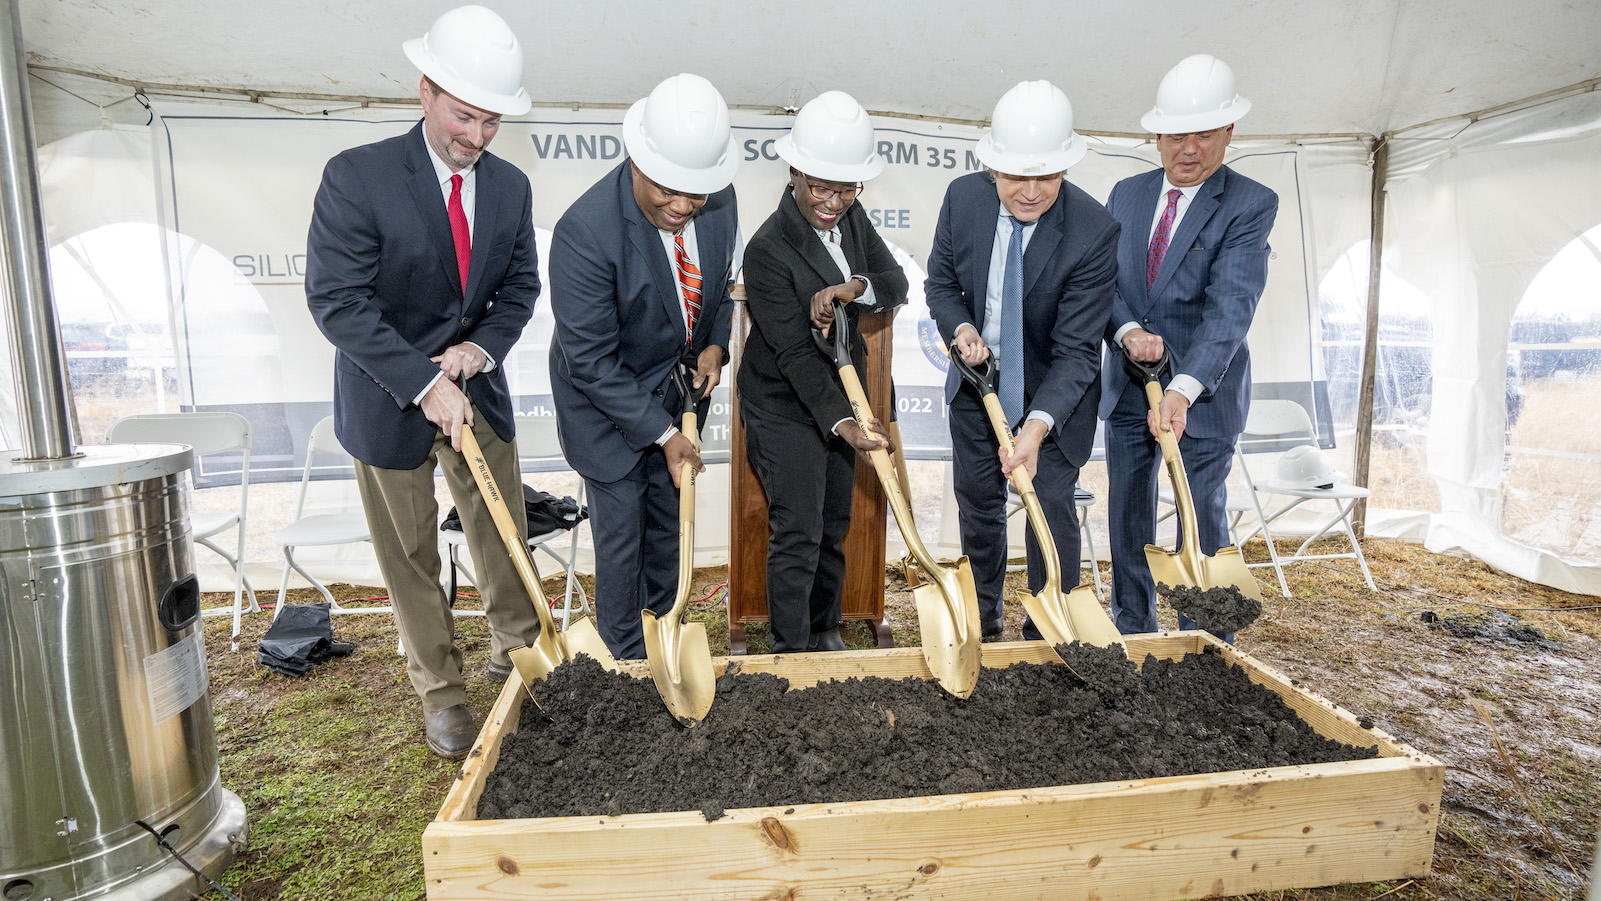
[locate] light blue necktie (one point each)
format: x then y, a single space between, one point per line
1012 328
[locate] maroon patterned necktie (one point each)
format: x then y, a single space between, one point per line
689 280
458 230
1163 234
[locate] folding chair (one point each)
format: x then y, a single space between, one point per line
536 442
1270 425
1083 500
322 529
207 433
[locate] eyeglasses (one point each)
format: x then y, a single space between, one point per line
821 192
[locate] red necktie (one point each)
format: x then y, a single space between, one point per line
689 280
1163 234
458 230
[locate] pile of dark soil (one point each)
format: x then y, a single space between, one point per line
1221 610
605 744
1494 625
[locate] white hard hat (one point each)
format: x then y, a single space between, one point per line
832 139
472 54
1195 95
679 136
1307 467
1031 132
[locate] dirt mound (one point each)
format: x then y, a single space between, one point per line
606 744
1494 625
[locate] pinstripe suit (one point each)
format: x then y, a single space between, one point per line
1201 304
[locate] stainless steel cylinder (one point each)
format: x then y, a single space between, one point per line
105 713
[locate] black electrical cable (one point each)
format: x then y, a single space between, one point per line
145 102
188 866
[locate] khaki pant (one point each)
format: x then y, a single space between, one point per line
403 517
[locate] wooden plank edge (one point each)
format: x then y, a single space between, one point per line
461 803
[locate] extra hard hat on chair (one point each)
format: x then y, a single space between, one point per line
832 139
1307 467
1031 132
679 136
1195 95
472 54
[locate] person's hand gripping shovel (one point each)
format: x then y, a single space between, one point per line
1060 618
1186 565
680 658
947 602
550 649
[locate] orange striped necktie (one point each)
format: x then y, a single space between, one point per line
689 280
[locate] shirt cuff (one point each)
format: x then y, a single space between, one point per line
1122 330
1187 386
867 299
667 436
417 401
489 361
835 429
1042 416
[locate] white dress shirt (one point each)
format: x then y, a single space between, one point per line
469 196
992 296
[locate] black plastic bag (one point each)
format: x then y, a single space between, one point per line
546 513
300 638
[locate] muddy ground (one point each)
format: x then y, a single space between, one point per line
607 745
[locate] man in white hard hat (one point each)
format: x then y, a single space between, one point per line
1192 265
400 278
817 248
1022 269
640 267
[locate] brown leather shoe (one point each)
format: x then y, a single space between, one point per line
450 732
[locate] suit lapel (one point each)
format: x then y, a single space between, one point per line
646 239
981 238
1144 200
1202 206
430 200
1048 231
486 208
804 238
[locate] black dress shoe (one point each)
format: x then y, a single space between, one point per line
449 732
1030 633
828 640
498 672
990 629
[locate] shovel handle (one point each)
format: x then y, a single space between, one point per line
499 512
690 428
1182 500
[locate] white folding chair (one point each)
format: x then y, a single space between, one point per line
536 442
206 433
322 529
1083 500
1273 426
1235 505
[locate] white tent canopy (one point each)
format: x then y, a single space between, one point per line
1489 306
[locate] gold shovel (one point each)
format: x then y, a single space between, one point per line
947 602
1060 618
1187 565
550 649
680 658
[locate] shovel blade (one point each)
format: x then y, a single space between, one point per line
535 662
1090 621
681 666
1048 615
581 637
947 616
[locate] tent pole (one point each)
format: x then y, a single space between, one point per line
1370 334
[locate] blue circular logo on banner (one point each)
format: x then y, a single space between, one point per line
933 345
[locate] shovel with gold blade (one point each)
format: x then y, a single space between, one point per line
947 602
1061 618
1186 565
551 648
680 657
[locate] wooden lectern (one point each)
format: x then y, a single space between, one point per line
863 596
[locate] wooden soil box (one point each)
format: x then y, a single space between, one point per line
1208 835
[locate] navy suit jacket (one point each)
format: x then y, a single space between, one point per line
619 322
383 285
783 373
1204 296
1068 271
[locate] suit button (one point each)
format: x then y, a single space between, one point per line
465 322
